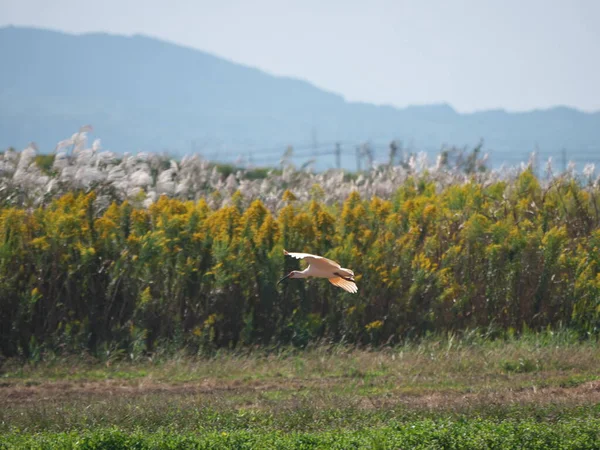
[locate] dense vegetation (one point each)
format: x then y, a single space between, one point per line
462 390
506 254
425 434
165 272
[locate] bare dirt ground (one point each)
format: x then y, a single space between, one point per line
12 394
520 378
58 390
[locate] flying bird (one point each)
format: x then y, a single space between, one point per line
320 267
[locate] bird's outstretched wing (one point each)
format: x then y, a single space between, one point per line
346 285
312 258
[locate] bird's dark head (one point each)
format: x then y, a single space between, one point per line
292 274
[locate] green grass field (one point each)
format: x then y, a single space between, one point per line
540 391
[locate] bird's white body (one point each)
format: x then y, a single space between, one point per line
320 267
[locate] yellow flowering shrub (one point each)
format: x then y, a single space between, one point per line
428 259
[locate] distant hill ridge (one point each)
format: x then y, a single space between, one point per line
142 93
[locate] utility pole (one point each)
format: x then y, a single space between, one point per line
368 151
393 153
338 155
358 158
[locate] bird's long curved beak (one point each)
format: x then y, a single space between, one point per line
287 276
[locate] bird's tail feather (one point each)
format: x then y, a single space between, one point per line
346 285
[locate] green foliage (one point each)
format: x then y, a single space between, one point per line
258 173
420 434
45 162
179 274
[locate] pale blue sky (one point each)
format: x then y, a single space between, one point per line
472 54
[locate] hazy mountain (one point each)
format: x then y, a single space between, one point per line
143 93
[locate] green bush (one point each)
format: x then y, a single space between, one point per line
421 434
508 255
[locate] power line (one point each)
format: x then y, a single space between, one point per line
282 149
374 151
